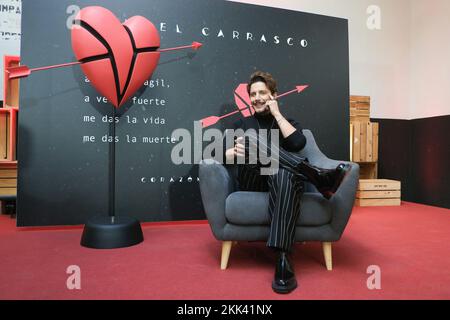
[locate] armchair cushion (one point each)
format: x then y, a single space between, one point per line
315 210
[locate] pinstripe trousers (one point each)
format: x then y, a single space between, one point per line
285 189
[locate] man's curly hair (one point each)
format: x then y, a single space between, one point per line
260 76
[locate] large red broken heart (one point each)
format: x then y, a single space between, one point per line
116 58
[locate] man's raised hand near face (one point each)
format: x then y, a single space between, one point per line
273 108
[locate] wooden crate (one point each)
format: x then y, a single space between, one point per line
378 192
8 134
361 99
10 86
359 108
4 136
8 182
364 141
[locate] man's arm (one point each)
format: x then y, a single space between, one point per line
296 141
285 126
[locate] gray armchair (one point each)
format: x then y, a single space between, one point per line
320 219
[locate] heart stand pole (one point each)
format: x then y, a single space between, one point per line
109 232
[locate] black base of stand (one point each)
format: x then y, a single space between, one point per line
111 232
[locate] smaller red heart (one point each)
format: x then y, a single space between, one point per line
116 58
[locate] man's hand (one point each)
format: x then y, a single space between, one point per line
237 151
272 104
239 148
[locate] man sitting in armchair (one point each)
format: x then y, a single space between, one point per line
286 184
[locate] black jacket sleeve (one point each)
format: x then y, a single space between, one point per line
296 141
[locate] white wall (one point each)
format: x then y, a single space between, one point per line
430 58
393 65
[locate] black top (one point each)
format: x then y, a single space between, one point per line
293 143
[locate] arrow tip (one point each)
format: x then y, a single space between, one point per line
301 88
196 45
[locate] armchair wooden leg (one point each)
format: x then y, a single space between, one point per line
226 249
326 246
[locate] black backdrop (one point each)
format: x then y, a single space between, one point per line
63 180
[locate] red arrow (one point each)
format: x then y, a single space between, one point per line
195 45
209 121
297 89
24 71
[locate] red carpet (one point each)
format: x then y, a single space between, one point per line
409 243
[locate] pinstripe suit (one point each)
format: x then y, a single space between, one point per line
285 187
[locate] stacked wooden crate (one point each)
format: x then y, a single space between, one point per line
364 151
8 114
359 108
363 137
8 182
8 135
10 86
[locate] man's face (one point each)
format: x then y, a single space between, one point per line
259 95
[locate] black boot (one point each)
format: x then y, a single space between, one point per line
284 280
327 181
